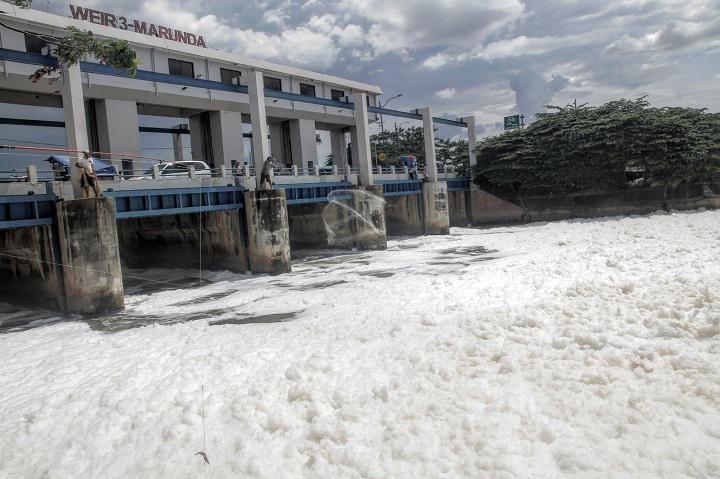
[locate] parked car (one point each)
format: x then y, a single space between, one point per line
178 169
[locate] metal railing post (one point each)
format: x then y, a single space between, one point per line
32 176
191 172
156 172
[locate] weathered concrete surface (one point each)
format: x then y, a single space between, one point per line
28 273
214 238
403 215
268 232
487 208
370 232
490 209
89 253
436 219
307 227
458 208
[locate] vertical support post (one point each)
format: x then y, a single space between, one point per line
226 137
293 168
472 140
76 132
429 137
361 155
338 148
32 176
191 172
156 172
118 131
260 144
177 144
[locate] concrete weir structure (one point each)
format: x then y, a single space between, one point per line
64 252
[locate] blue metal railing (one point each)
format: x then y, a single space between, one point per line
458 184
175 201
303 193
399 187
18 211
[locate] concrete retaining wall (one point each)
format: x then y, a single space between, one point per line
458 202
403 215
489 209
28 273
175 241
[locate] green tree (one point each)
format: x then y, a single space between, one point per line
78 44
583 148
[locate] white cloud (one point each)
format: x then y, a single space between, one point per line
446 93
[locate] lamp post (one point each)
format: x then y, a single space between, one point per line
382 124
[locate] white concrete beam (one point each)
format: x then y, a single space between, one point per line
119 131
76 132
338 148
258 119
472 139
361 154
303 143
227 138
429 137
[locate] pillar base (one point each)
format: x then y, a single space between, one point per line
436 220
268 231
88 244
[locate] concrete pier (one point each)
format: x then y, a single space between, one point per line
89 254
268 232
213 240
436 219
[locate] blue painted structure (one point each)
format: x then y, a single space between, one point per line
175 201
303 193
97 68
399 187
18 211
458 184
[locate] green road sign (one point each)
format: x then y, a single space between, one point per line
511 122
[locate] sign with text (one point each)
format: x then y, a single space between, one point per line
123 23
511 122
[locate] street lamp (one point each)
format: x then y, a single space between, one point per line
382 124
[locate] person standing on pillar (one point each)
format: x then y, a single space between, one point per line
88 177
266 176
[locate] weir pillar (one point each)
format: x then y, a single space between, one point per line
88 252
268 231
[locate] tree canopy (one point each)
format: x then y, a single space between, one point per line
582 148
78 44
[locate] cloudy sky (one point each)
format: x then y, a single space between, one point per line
488 58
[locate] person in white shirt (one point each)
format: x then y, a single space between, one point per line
88 177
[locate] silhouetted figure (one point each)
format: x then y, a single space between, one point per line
266 174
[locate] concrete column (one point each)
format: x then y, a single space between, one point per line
119 131
303 143
338 148
89 254
436 218
197 138
227 139
178 154
429 142
260 143
76 132
472 140
268 231
362 159
277 140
